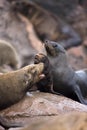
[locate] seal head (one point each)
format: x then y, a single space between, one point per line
53 48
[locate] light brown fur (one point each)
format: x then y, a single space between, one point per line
8 54
14 85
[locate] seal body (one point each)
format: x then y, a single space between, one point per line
81 79
15 84
8 55
65 80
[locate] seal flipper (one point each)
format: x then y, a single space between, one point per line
79 94
53 92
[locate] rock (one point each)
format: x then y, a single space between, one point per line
1 128
14 29
77 58
71 121
40 105
43 21
34 40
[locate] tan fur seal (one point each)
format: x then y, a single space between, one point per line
15 84
45 84
65 80
8 55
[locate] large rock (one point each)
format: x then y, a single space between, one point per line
40 106
71 121
77 57
21 35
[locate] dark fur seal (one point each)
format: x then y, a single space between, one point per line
45 84
15 84
66 81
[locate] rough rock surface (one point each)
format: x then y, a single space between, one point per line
1 128
14 30
71 121
77 57
72 11
40 106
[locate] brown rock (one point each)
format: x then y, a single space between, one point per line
71 121
16 31
40 106
77 58
1 128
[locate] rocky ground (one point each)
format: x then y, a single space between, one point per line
40 111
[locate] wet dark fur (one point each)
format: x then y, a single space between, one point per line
65 80
46 84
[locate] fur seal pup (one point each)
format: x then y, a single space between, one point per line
8 54
45 84
15 84
65 80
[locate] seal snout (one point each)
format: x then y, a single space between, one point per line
39 68
38 75
36 72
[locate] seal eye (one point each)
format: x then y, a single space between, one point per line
55 45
